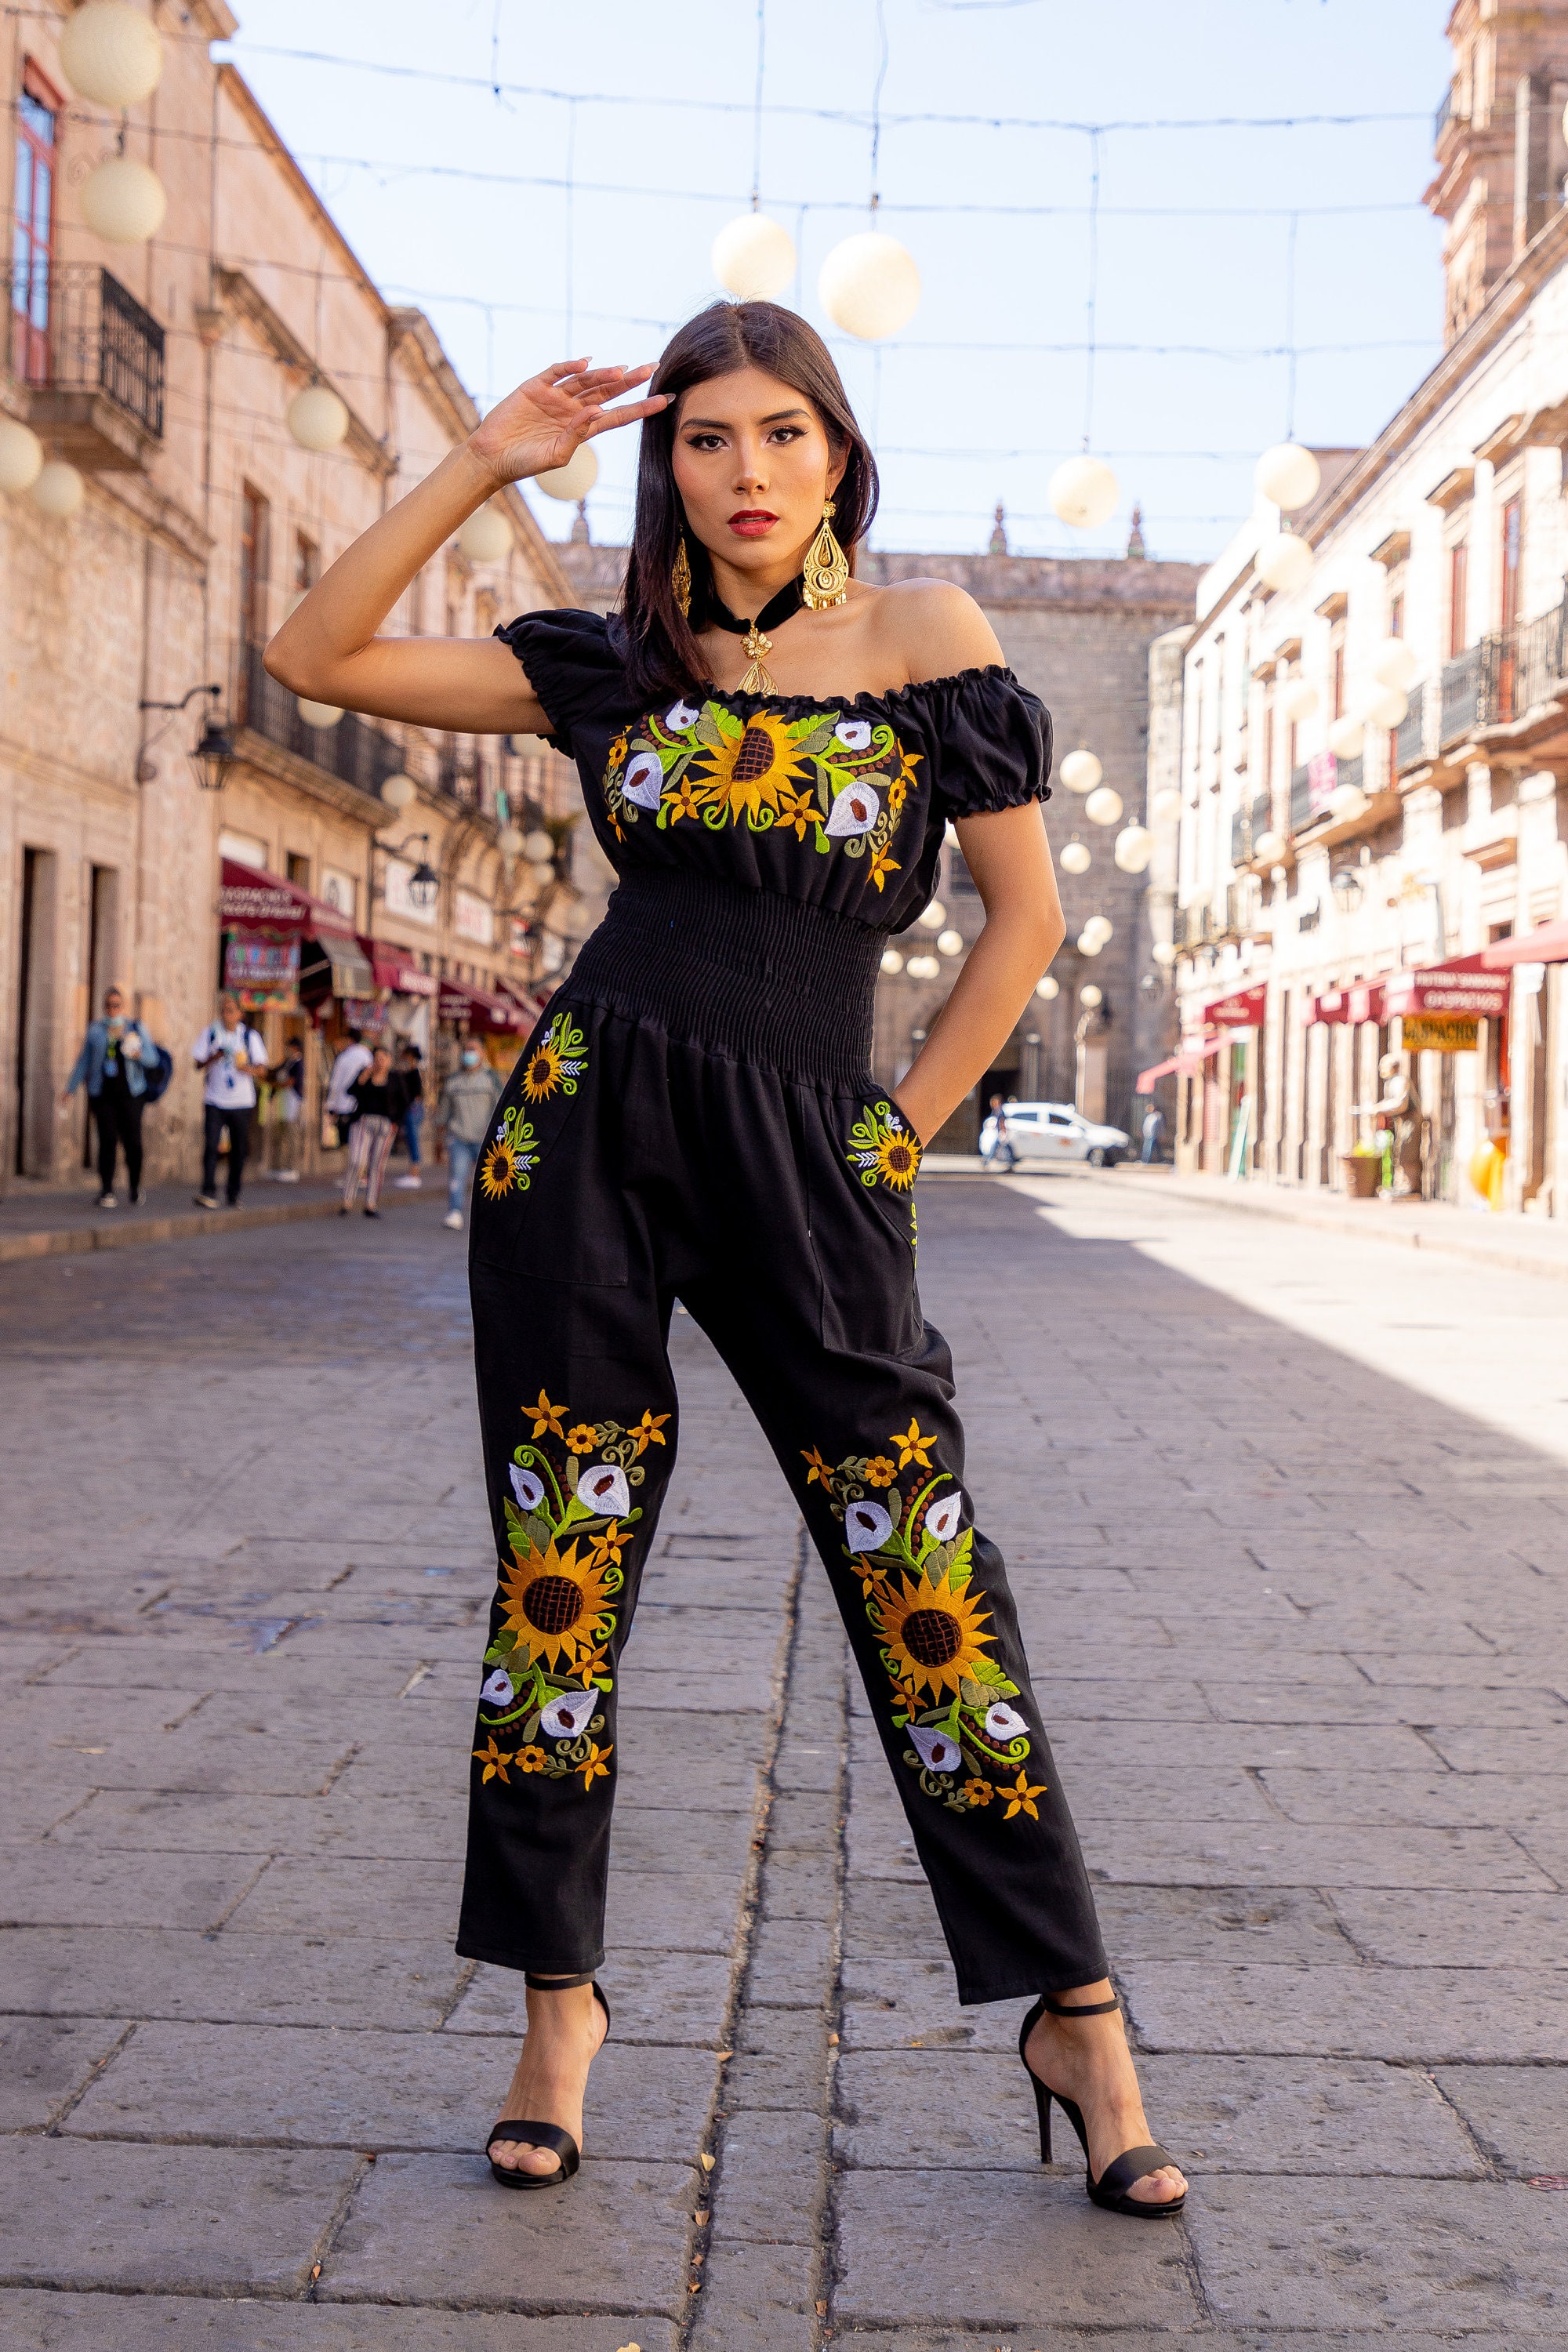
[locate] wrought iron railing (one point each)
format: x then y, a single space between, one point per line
1506 674
354 751
71 328
1301 798
1410 735
1463 686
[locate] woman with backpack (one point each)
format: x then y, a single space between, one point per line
123 1070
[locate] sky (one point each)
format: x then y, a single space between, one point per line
539 177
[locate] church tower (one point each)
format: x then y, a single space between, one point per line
1500 151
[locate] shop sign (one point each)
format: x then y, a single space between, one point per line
1462 986
265 971
518 936
1439 1032
473 918
1243 1011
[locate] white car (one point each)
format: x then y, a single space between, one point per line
1047 1130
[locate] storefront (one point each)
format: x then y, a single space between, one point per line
1536 962
1218 1085
496 1023
405 1004
295 966
1459 1008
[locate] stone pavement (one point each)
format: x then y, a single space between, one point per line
1288 1514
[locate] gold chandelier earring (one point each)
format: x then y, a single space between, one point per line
680 579
825 577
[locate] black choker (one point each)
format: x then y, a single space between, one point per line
758 643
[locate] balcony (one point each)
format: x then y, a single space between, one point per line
353 751
1504 677
92 361
1301 798
1410 736
1248 826
1462 686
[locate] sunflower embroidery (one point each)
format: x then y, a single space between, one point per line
933 1626
883 1149
551 1605
507 1165
555 1062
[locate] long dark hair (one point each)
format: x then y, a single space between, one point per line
662 652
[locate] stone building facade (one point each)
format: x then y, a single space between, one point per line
1080 633
164 372
1406 925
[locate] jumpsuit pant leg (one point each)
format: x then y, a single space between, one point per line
782 1215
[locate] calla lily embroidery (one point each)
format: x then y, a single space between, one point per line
643 780
680 718
570 1516
855 810
934 1626
855 734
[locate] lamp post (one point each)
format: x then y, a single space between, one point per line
213 755
423 883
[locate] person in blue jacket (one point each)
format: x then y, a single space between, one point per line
116 1057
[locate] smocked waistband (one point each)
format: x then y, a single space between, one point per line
744 973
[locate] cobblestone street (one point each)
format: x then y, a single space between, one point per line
1287 1517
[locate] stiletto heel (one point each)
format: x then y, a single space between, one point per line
550 2136
1110 2190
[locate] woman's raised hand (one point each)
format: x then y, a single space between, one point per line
538 426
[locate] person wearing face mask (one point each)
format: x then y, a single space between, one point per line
116 1059
463 1116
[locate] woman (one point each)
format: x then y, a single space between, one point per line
770 753
380 1103
116 1059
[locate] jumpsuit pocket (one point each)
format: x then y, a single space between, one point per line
860 1181
546 1202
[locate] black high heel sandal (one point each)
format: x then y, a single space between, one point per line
549 2136
1110 2190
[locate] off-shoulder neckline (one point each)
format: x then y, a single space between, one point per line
801 705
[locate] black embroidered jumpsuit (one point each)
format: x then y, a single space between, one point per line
694 1118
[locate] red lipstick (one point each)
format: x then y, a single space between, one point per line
752 522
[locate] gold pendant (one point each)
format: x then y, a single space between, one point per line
756 680
824 579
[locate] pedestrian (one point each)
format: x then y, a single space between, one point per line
463 1116
379 1104
691 1118
288 1113
410 1071
1001 1152
117 1058
233 1055
351 1061
1154 1128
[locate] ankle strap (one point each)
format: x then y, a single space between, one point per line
1080 2009
556 1984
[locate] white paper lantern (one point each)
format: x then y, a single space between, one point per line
399 792
319 714
922 966
575 479
21 457
123 201
1346 737
1100 927
1284 563
1089 943
1165 808
1134 847
932 917
509 841
1346 800
538 847
486 537
111 54
869 286
754 258
1288 475
1163 953
1091 995
949 943
1299 700
317 418
58 491
1395 664
1080 770
1103 807
1270 848
1084 493
1048 989
1387 707
1075 857
892 961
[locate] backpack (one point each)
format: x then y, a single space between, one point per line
157 1074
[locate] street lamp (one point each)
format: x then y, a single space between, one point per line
423 883
213 756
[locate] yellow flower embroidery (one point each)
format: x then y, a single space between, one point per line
881 866
532 1760
549 1417
683 801
1021 1797
912 1445
609 1546
497 1170
879 1471
649 1431
595 1765
582 1439
799 809
980 1792
494 1761
819 1473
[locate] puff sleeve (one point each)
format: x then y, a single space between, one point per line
574 664
993 743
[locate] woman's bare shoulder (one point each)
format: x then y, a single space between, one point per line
933 628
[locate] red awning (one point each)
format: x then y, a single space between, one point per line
1242 1011
1462 986
253 900
1161 1070
1547 945
1196 1052
396 968
458 1001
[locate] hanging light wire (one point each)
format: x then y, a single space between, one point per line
876 105
757 113
1093 285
